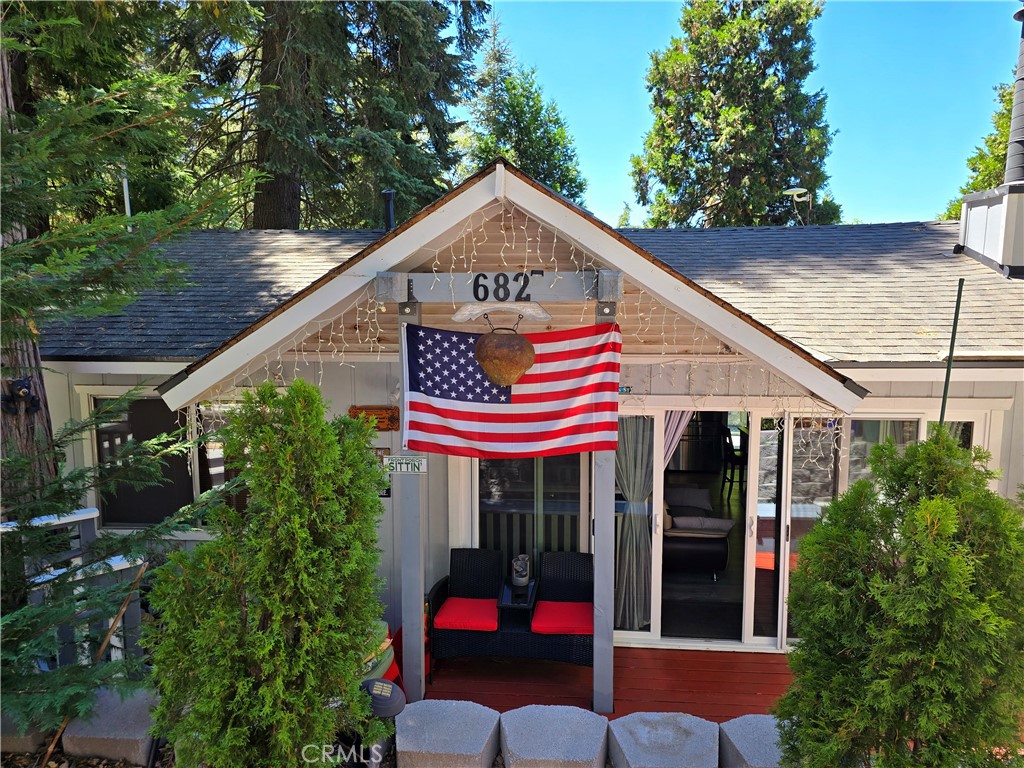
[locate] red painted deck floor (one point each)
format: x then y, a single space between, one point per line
714 685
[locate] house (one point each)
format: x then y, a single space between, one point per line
758 366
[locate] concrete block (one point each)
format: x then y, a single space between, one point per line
540 736
751 741
13 740
662 740
116 729
446 734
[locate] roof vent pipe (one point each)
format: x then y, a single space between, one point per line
389 209
1015 150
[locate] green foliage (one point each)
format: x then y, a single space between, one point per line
909 603
733 125
73 599
512 120
333 101
63 158
987 165
262 632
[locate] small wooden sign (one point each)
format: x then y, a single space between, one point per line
384 417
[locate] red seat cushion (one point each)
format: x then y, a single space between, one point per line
468 613
558 618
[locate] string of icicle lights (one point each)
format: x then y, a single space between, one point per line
679 355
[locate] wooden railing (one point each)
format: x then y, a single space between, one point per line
75 532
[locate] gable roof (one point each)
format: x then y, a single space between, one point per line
861 293
440 223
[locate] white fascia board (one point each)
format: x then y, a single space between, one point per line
329 299
679 296
142 368
959 372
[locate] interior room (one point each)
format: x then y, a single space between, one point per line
702 562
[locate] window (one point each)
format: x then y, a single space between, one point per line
962 431
147 418
529 506
867 433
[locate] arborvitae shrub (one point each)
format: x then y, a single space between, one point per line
262 632
908 600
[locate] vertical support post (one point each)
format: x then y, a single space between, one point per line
411 517
412 522
604 581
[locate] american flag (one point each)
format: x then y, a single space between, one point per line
566 403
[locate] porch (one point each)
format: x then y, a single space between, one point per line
713 685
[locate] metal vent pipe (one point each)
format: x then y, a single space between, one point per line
389 209
1015 149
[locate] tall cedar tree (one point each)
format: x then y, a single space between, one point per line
262 632
987 165
908 600
733 124
78 112
332 101
512 120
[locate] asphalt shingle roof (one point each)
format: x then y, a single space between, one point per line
851 293
237 277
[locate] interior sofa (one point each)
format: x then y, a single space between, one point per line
694 540
464 618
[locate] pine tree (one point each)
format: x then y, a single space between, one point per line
262 632
909 603
68 250
511 119
987 166
733 124
78 112
332 102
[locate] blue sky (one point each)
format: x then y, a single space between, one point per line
909 86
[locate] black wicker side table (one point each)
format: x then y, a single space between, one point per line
515 605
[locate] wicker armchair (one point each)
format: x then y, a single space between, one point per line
474 574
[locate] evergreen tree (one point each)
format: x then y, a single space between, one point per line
77 112
909 603
262 632
332 102
68 249
987 165
511 119
733 123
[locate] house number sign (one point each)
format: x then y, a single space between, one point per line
538 285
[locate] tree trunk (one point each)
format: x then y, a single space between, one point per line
21 432
25 433
276 201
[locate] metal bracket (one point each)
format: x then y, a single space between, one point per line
606 310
